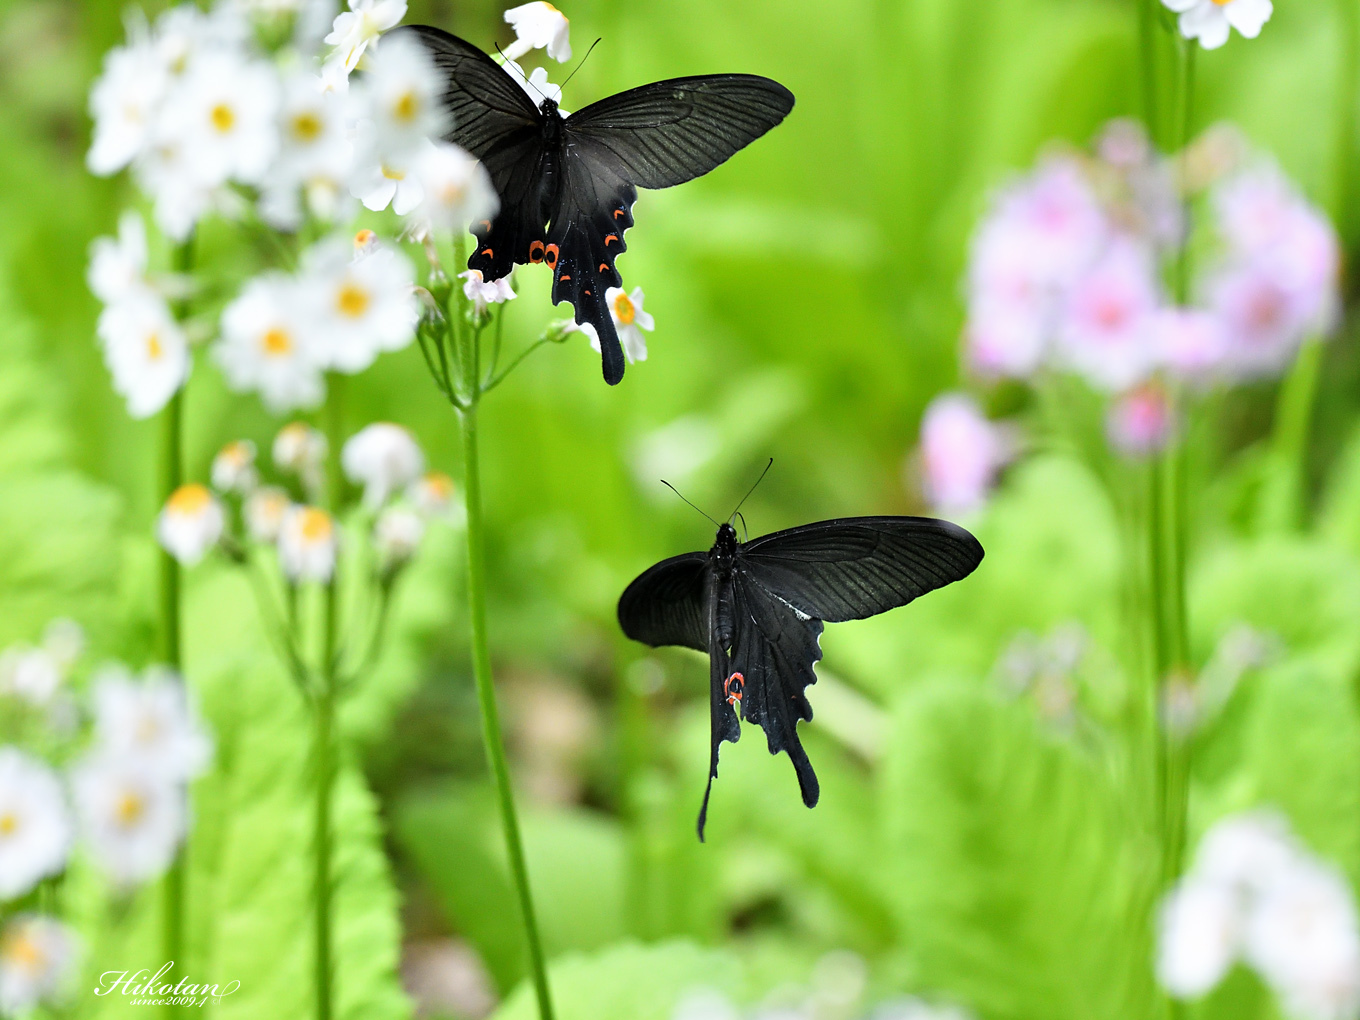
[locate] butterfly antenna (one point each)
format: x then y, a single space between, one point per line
678 493
524 77
753 488
744 530
582 63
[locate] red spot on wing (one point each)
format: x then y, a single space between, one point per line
536 251
550 255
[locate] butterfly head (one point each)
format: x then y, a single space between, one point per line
548 108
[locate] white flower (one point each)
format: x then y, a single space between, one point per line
1200 933
35 827
432 494
539 25
37 962
315 154
186 33
396 535
389 182
355 29
307 544
961 453
151 720
384 459
233 469
357 307
536 86
118 266
190 523
146 353
64 640
455 190
630 320
166 173
132 815
265 344
264 511
1209 21
1304 938
482 294
298 447
124 103
30 674
1247 852
223 113
401 96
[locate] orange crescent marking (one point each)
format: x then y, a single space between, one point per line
618 213
564 276
488 251
486 224
611 237
604 266
586 293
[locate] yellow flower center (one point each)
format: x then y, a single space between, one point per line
1223 3
306 127
130 808
276 342
148 729
315 526
22 952
406 107
154 348
393 175
452 193
364 238
439 484
352 300
190 500
223 117
9 823
624 310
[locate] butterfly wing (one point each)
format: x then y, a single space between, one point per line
665 604
495 120
654 136
775 647
855 567
672 131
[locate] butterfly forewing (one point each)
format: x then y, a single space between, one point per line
669 132
857 567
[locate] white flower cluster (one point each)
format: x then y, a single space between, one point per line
1211 21
383 458
346 305
34 674
130 788
1256 895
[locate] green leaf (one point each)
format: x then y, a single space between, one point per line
629 982
1020 885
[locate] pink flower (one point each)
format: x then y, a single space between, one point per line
1141 421
1003 341
1265 320
961 452
1191 343
1106 330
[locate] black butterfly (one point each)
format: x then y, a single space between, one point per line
757 609
567 186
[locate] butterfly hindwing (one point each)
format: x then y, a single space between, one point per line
775 647
665 605
856 567
594 208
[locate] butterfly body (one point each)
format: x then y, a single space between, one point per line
757 609
567 185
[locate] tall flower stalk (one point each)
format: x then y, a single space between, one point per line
172 477
450 337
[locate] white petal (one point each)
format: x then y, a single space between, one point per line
1247 16
1181 6
1206 23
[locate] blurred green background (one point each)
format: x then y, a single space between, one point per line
808 305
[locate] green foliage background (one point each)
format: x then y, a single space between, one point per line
807 296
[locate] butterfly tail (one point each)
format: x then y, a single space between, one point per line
611 351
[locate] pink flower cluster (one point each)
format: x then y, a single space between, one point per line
1067 272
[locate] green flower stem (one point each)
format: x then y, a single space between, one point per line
324 754
1147 55
323 708
172 477
1348 90
469 358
